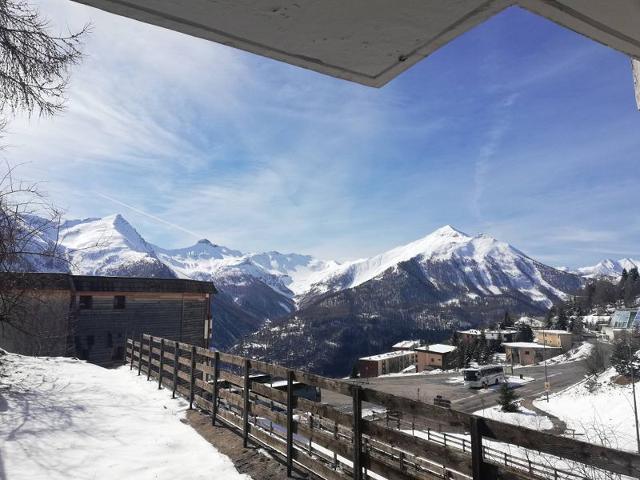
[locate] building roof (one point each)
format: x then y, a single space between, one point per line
386 355
407 344
367 41
532 345
437 348
88 283
473 331
553 332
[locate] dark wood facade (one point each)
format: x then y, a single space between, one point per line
93 316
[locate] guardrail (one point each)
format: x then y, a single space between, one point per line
336 445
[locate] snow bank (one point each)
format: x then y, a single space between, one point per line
62 418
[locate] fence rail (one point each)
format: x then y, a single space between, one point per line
335 445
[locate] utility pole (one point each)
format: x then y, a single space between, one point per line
633 392
544 352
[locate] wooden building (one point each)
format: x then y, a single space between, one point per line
434 356
90 317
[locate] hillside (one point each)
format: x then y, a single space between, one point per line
422 290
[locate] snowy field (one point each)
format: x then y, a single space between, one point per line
66 419
603 416
524 418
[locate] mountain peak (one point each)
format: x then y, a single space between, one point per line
204 241
448 230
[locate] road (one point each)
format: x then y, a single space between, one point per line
449 386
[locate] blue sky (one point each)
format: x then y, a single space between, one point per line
519 129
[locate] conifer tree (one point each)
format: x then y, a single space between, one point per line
508 399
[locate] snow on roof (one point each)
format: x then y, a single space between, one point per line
554 332
473 331
437 348
383 356
527 345
407 344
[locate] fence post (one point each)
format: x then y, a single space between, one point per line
357 432
214 397
140 356
245 410
161 369
192 379
176 354
149 357
289 422
133 349
126 347
481 470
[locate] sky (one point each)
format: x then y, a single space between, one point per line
519 129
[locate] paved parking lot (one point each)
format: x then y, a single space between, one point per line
449 386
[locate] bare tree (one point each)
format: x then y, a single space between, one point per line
34 63
29 227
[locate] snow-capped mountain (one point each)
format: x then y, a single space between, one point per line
447 276
109 246
421 290
609 268
450 259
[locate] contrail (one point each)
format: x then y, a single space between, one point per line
148 215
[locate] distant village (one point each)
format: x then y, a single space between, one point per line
526 341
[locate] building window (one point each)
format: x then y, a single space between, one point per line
119 302
526 352
86 302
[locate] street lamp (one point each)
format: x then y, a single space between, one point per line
544 353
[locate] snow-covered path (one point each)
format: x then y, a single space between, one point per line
65 419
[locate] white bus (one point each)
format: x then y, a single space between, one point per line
483 376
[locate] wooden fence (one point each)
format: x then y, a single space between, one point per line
336 445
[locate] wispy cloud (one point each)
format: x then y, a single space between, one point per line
194 138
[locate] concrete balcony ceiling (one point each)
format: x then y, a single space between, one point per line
367 41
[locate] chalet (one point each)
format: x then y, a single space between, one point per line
529 353
91 317
434 356
554 338
383 363
506 335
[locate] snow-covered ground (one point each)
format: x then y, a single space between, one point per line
604 415
62 418
524 418
576 354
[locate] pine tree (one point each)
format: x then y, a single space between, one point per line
507 321
482 353
507 399
562 320
624 357
525 334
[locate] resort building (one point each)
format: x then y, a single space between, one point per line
383 363
434 356
91 317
